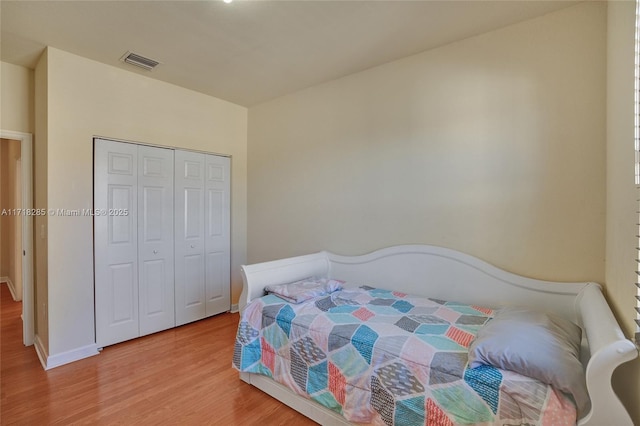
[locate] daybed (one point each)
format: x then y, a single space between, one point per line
441 275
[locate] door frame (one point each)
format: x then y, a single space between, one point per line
28 307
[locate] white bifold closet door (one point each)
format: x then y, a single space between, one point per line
202 245
134 240
155 239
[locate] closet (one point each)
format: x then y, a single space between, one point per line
161 238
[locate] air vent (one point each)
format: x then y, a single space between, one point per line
139 61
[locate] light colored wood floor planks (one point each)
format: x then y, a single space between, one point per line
181 376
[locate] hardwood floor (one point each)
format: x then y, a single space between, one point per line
181 376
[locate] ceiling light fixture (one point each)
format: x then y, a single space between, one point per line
227 1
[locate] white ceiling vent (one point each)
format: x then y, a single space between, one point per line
139 61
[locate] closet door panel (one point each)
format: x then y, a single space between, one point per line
154 302
121 293
217 230
217 283
190 233
193 214
156 239
194 276
116 242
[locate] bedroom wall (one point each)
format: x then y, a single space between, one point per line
494 145
621 241
17 98
40 172
86 99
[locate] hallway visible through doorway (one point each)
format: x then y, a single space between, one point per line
11 216
16 227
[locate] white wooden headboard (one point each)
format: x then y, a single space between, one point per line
447 274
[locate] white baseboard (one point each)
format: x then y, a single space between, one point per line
41 351
52 361
12 289
234 308
3 279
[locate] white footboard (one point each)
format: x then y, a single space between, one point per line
608 349
450 275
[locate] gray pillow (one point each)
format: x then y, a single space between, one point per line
537 345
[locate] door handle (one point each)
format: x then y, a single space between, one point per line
155 252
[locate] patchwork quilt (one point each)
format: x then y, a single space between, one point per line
384 357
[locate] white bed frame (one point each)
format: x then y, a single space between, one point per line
446 274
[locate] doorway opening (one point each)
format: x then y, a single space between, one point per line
16 224
10 215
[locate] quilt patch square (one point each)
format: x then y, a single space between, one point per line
363 340
461 337
447 367
398 380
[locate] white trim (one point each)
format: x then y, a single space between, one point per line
77 354
234 308
12 289
28 308
48 362
4 279
41 351
109 138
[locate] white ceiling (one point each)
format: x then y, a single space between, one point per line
248 52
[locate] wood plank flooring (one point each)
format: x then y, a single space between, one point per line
181 376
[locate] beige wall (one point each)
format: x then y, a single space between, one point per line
512 146
40 166
494 145
17 98
621 242
86 99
